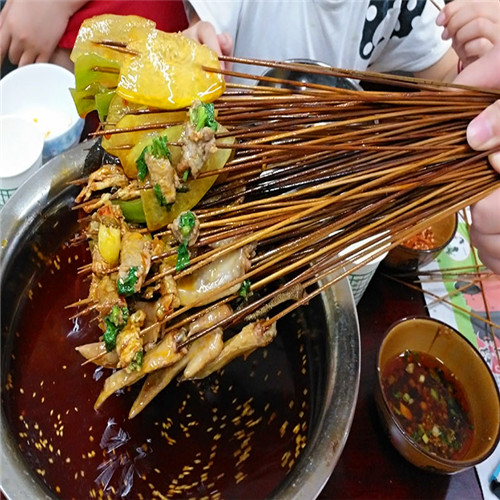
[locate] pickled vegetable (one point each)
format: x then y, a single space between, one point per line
168 72
109 27
109 241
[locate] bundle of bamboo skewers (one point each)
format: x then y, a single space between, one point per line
316 171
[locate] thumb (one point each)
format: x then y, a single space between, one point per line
483 132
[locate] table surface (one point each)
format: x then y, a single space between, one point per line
369 466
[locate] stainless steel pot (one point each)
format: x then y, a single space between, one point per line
27 222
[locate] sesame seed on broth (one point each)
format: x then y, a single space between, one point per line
235 434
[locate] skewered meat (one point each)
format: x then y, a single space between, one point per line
135 261
129 341
201 352
108 176
163 174
196 147
98 354
180 231
213 316
163 354
201 286
104 293
251 337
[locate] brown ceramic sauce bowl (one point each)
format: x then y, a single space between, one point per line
473 376
405 259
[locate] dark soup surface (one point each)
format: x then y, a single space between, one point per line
236 434
429 404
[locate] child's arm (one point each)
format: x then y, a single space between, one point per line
30 29
472 25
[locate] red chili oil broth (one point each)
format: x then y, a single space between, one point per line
235 434
429 403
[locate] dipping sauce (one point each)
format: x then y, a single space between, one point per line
425 240
429 404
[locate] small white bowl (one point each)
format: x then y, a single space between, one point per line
40 93
21 145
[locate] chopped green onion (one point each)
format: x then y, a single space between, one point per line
244 290
110 334
203 116
126 285
182 257
142 168
187 221
114 322
158 148
159 195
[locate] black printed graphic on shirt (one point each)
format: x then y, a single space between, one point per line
375 15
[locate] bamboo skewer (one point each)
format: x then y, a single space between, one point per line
314 172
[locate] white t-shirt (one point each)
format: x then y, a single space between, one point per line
379 35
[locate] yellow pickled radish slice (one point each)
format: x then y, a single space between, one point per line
106 28
109 242
168 72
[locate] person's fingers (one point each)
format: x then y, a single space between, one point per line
455 15
483 132
5 36
27 57
482 72
479 28
226 44
226 47
4 44
42 58
474 49
485 230
207 36
487 245
481 212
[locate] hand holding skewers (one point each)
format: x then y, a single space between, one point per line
483 134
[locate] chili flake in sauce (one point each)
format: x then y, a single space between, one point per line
429 404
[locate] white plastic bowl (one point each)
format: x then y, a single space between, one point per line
21 145
40 93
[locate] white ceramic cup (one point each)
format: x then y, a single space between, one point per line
21 146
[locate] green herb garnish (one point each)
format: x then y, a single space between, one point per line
158 148
126 285
159 195
110 334
187 221
185 175
244 290
203 116
142 168
114 322
182 257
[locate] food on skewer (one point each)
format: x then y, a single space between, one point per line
313 172
133 289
